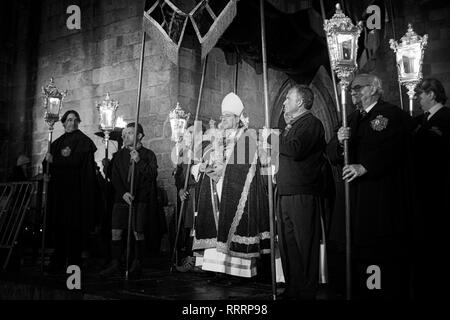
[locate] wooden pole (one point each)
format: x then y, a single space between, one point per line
267 124
236 74
187 176
46 177
391 12
344 86
348 256
333 77
133 164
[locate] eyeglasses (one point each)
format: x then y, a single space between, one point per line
358 87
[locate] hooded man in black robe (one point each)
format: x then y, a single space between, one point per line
72 191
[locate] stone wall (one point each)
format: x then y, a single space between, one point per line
20 26
219 81
104 57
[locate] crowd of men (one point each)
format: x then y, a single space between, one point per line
398 175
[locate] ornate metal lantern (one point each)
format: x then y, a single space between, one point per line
342 40
52 99
178 122
409 58
52 103
107 118
107 114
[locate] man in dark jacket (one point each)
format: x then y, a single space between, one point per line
299 182
379 173
144 198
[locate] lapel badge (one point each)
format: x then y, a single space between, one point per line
65 152
379 123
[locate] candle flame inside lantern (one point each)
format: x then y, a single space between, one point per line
120 123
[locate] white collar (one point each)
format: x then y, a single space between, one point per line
434 109
370 107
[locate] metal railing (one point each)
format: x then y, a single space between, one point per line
14 203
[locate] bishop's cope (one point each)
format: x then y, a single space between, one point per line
231 228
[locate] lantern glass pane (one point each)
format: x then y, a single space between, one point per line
408 61
53 106
345 46
178 126
107 119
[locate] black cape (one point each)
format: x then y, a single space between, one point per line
73 185
432 192
381 206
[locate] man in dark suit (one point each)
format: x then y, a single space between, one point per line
300 186
379 140
432 174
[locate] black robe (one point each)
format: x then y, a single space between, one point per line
432 164
73 188
146 171
432 177
381 207
144 191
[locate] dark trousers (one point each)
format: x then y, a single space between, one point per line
68 247
299 237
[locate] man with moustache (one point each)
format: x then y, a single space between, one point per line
144 198
72 189
380 194
432 174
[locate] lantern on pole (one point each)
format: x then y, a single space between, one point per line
107 118
178 122
409 58
52 102
342 40
52 99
